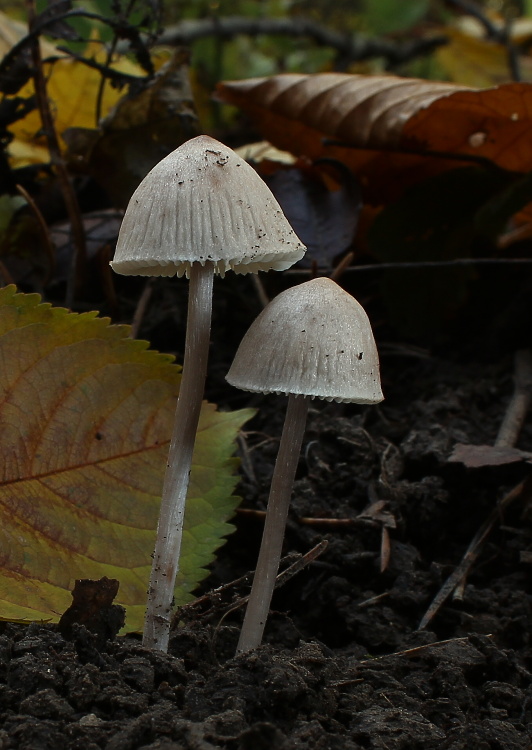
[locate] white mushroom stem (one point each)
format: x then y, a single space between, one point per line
170 528
274 526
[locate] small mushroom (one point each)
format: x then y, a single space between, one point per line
202 210
312 341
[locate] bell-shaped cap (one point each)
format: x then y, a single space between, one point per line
204 203
315 340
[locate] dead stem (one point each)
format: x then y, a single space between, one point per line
524 490
44 232
506 438
67 191
141 308
519 403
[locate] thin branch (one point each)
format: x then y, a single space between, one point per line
44 232
350 46
523 489
39 26
519 403
408 265
507 437
142 305
213 600
69 195
113 75
474 10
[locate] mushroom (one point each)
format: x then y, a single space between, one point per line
312 341
202 210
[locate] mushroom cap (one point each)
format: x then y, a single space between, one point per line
204 203
315 340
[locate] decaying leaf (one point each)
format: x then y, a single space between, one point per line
86 418
476 456
388 129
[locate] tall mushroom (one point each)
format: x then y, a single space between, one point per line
202 210
312 341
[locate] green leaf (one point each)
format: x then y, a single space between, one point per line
386 16
86 417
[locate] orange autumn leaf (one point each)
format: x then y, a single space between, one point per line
393 132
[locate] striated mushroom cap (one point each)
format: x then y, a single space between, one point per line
204 203
315 340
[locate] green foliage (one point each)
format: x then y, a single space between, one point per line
387 16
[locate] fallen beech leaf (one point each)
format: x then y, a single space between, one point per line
475 456
86 417
385 128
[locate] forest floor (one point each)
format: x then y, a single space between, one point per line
344 664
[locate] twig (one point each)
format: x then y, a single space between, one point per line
519 403
44 232
422 264
40 25
462 570
115 76
514 64
140 310
109 58
500 34
69 196
472 9
245 457
342 266
512 422
259 288
506 438
214 598
417 649
373 600
352 47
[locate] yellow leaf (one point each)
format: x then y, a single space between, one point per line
72 89
12 31
86 417
478 62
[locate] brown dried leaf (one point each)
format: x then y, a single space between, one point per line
475 456
386 128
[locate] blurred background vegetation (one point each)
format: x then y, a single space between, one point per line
127 81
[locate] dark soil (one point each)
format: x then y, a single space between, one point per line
344 665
